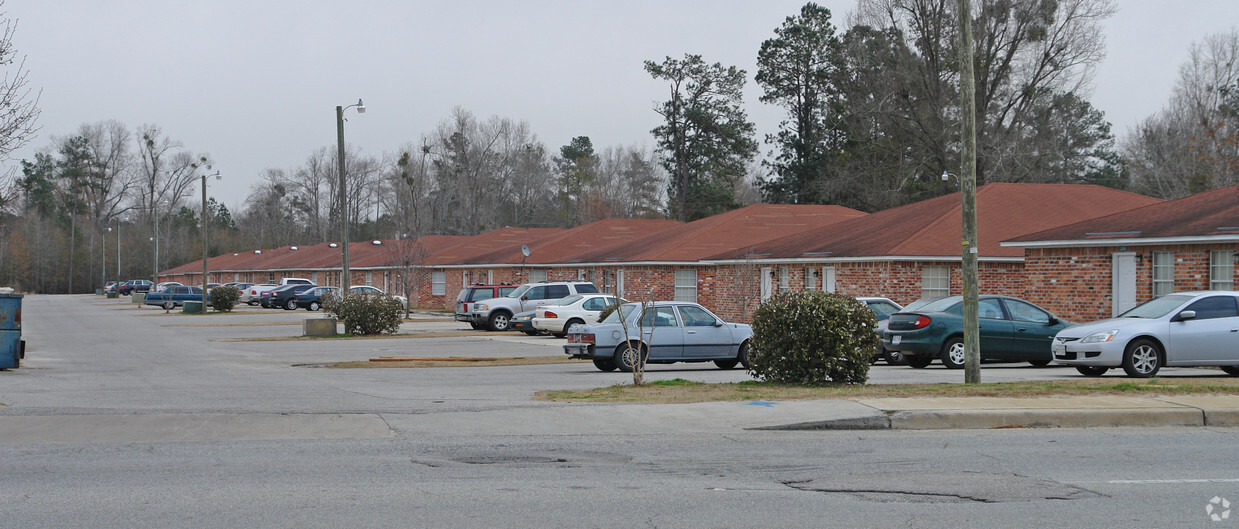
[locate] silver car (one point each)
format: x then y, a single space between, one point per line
1181 329
664 332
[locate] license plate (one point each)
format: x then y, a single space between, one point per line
1059 349
895 339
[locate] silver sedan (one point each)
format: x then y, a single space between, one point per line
664 332
1176 330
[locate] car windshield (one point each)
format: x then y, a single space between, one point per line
936 305
626 310
569 300
520 291
1157 307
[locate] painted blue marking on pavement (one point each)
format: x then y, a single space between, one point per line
762 403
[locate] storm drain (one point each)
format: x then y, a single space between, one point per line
950 487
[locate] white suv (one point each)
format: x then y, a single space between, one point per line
497 313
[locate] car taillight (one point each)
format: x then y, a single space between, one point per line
550 314
581 338
921 322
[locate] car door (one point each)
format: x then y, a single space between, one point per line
662 333
1032 331
1211 336
702 337
994 329
592 307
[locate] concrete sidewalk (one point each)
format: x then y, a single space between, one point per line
1048 412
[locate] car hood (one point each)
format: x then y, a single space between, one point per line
1122 324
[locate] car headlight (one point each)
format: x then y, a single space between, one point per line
480 307
1098 337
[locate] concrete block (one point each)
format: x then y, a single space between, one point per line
320 327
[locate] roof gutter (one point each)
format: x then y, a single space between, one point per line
1125 241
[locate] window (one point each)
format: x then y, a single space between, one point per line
696 317
556 291
369 278
595 304
659 317
1214 307
785 279
810 279
686 285
935 281
767 280
580 274
537 276
438 283
1021 311
988 309
270 277
538 292
1163 273
1221 270
467 279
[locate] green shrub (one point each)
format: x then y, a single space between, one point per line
812 337
366 315
224 298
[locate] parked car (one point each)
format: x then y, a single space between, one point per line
109 286
295 281
496 313
524 322
253 294
173 296
475 293
664 332
281 298
882 309
573 310
1181 329
134 285
1010 329
312 299
368 290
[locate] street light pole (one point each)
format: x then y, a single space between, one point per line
344 271
104 251
205 239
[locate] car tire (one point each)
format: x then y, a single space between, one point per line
290 305
571 322
1231 370
476 326
1142 359
1039 363
1092 371
918 361
535 333
727 363
604 364
168 305
251 303
623 359
499 321
743 357
313 306
953 353
894 358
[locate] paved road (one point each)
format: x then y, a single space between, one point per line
126 417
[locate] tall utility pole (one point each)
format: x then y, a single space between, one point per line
344 271
968 191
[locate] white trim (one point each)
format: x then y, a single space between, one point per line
828 279
1127 241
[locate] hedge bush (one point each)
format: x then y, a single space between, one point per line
812 337
224 298
366 315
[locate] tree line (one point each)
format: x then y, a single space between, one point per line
871 122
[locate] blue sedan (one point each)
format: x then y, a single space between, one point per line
174 296
664 332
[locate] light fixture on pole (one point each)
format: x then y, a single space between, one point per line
204 238
344 272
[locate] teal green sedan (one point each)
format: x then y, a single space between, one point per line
1012 330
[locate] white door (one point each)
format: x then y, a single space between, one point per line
619 282
1123 281
767 280
828 283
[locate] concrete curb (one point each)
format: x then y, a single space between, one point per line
1086 418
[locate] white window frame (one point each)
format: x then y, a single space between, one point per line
1221 270
767 282
1163 273
810 278
935 281
785 278
537 275
438 283
686 284
370 278
619 282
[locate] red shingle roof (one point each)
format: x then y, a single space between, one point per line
481 244
933 227
569 245
1211 213
736 229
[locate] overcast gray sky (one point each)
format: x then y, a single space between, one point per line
255 83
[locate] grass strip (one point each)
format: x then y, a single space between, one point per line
685 391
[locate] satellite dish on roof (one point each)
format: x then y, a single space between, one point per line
525 250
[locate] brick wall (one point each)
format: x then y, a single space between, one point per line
1075 283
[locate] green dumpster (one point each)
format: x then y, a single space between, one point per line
192 307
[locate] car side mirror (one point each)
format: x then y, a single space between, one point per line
1185 315
524 298
1054 321
718 323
